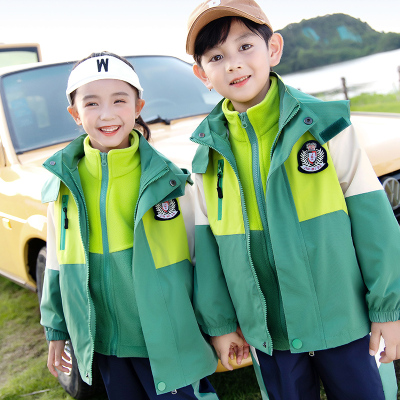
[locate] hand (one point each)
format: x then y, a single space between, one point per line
390 331
241 352
58 358
226 345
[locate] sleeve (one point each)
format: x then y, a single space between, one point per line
212 302
52 316
187 207
375 231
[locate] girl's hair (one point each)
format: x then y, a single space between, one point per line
217 31
139 123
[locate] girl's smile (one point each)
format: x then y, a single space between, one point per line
107 109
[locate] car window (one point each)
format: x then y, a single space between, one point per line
19 54
170 88
36 106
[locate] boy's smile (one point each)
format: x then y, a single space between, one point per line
107 109
239 68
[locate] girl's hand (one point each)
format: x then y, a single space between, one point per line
58 358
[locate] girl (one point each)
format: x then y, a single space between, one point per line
119 273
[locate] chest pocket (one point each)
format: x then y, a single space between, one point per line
222 194
69 244
166 234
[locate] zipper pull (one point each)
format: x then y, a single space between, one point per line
65 218
219 175
243 120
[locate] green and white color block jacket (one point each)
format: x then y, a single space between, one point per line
331 237
161 267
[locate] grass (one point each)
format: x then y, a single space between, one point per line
372 102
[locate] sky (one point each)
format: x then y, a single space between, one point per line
72 29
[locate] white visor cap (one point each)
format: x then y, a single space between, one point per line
102 67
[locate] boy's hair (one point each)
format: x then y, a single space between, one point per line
143 127
217 31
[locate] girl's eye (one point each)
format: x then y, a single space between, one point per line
90 104
245 47
216 58
120 101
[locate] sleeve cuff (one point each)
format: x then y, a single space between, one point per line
379 316
222 330
52 334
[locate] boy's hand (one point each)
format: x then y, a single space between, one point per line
390 331
58 358
226 346
242 352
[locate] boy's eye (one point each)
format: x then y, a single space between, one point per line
216 58
245 46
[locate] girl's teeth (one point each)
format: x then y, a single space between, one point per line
109 129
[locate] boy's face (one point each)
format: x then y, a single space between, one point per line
107 110
238 69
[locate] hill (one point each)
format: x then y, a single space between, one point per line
330 39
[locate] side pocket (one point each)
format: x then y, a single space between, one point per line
64 220
220 175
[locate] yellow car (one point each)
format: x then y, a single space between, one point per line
34 124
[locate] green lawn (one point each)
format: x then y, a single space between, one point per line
389 103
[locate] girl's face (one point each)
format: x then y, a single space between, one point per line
107 110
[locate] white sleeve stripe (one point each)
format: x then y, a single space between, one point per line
353 168
201 217
51 260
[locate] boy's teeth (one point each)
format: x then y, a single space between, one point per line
240 80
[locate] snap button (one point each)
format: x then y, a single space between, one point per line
87 375
161 386
297 344
172 182
202 134
52 163
308 120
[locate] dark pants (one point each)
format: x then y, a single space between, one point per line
131 379
347 372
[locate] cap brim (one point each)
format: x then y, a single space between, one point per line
212 14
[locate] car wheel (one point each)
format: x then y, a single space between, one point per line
71 382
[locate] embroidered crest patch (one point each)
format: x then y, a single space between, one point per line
312 158
166 210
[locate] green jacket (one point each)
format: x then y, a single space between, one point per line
162 271
331 236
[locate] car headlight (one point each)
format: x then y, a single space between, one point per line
392 189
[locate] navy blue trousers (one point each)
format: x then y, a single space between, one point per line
131 379
347 372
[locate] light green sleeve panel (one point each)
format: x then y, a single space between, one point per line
167 239
67 236
314 194
231 216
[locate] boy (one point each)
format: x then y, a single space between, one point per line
294 235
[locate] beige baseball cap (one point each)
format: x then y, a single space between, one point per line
211 10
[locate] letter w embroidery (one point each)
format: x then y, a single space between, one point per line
102 63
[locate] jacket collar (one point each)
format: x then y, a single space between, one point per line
64 167
299 113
